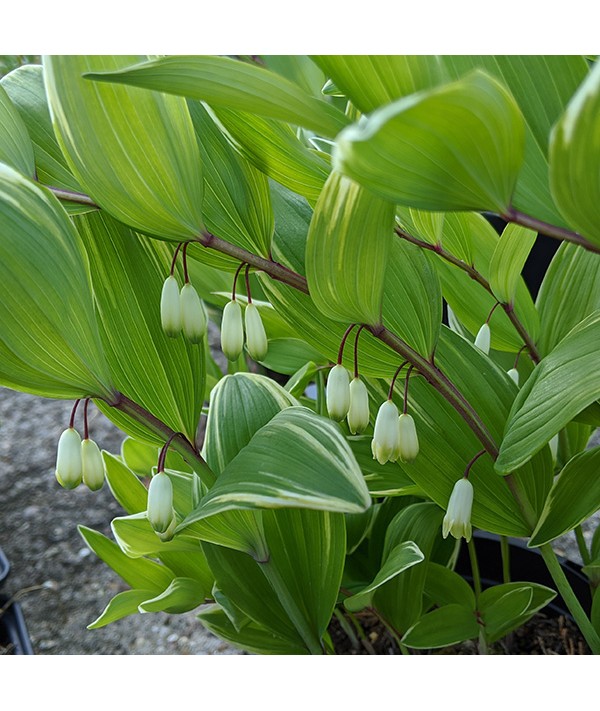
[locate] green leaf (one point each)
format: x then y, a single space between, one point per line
499 606
382 480
307 550
370 81
400 599
450 624
297 68
16 149
499 618
541 85
401 557
574 497
562 302
349 239
141 458
163 375
25 86
237 203
445 587
274 148
229 427
254 597
561 386
126 488
288 355
456 147
251 637
412 297
134 152
508 260
221 81
182 595
298 460
122 605
136 538
574 148
137 572
43 273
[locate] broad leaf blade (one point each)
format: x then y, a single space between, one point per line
447 625
16 148
574 497
182 595
133 151
43 274
122 605
347 251
221 81
508 261
456 147
561 386
574 148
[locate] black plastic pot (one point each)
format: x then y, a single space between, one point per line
14 638
526 564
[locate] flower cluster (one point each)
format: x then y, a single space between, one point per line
79 459
232 332
182 311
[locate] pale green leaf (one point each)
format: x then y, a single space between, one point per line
138 572
136 538
43 276
443 627
401 557
16 148
221 81
122 605
134 152
574 156
299 460
456 147
562 302
561 386
444 586
541 85
347 251
182 595
288 355
508 260
124 485
574 497
25 86
370 81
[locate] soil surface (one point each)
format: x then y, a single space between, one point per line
63 585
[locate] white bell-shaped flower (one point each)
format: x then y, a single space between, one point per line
256 337
513 374
68 459
194 319
358 412
338 392
457 520
386 436
160 502
409 442
92 465
170 307
232 331
483 339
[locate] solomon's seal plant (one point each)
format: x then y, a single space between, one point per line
357 195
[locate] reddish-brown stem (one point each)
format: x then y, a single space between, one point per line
396 374
73 412
405 406
86 431
360 328
174 260
473 460
343 343
235 278
247 277
186 277
160 467
491 313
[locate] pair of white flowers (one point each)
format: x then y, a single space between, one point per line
78 461
232 332
182 311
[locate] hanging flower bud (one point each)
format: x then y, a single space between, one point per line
409 442
338 393
232 331
194 319
160 502
457 520
68 459
170 308
92 465
483 338
358 413
513 374
386 436
256 338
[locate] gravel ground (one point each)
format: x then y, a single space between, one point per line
38 533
